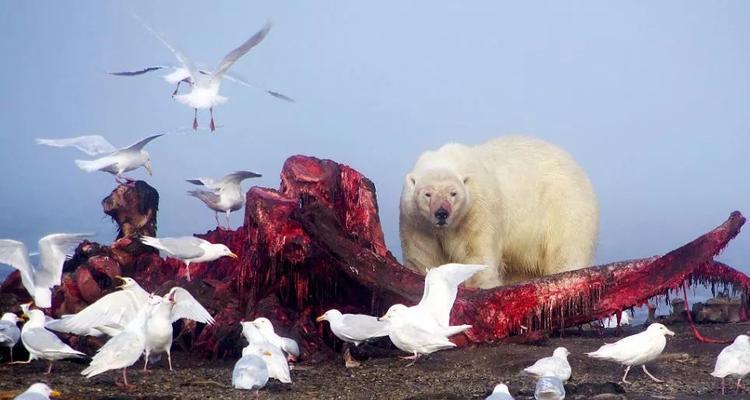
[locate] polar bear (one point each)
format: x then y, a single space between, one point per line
516 203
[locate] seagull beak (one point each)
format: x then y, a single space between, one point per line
383 318
55 393
122 279
149 167
24 317
670 333
235 256
267 353
320 319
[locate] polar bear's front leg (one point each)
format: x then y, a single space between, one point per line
483 249
421 251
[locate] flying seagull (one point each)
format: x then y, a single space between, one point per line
225 195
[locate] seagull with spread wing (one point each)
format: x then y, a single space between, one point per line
175 305
225 195
425 328
116 162
39 280
179 75
204 90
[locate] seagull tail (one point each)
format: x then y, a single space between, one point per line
93 165
152 241
42 297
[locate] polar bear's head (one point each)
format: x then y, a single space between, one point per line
440 196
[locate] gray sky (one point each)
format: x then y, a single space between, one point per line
652 98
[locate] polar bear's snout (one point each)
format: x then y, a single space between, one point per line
442 215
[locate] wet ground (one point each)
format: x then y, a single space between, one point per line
468 373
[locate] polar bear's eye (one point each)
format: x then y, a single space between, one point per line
428 194
453 194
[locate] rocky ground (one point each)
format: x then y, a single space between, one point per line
459 374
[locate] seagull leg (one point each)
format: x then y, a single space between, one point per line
195 120
211 125
229 223
415 357
22 362
169 360
177 88
624 377
145 362
651 376
216 215
187 268
722 386
10 350
349 361
49 369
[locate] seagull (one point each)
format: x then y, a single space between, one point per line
116 162
549 388
43 344
289 346
189 249
225 195
354 329
557 365
123 350
277 365
38 391
177 304
178 75
734 360
250 373
40 279
204 90
500 392
9 332
111 313
637 349
425 328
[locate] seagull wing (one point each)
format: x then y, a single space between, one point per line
241 81
237 177
44 341
117 308
182 58
441 288
186 306
92 145
53 250
15 254
184 248
240 51
207 182
142 143
140 71
360 327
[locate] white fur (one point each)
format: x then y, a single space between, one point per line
517 203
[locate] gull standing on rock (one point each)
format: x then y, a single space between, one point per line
189 249
226 194
637 349
557 365
354 329
43 344
500 392
734 360
425 328
289 346
10 334
38 391
38 280
204 91
116 162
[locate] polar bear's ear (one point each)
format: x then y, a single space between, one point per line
411 180
466 179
